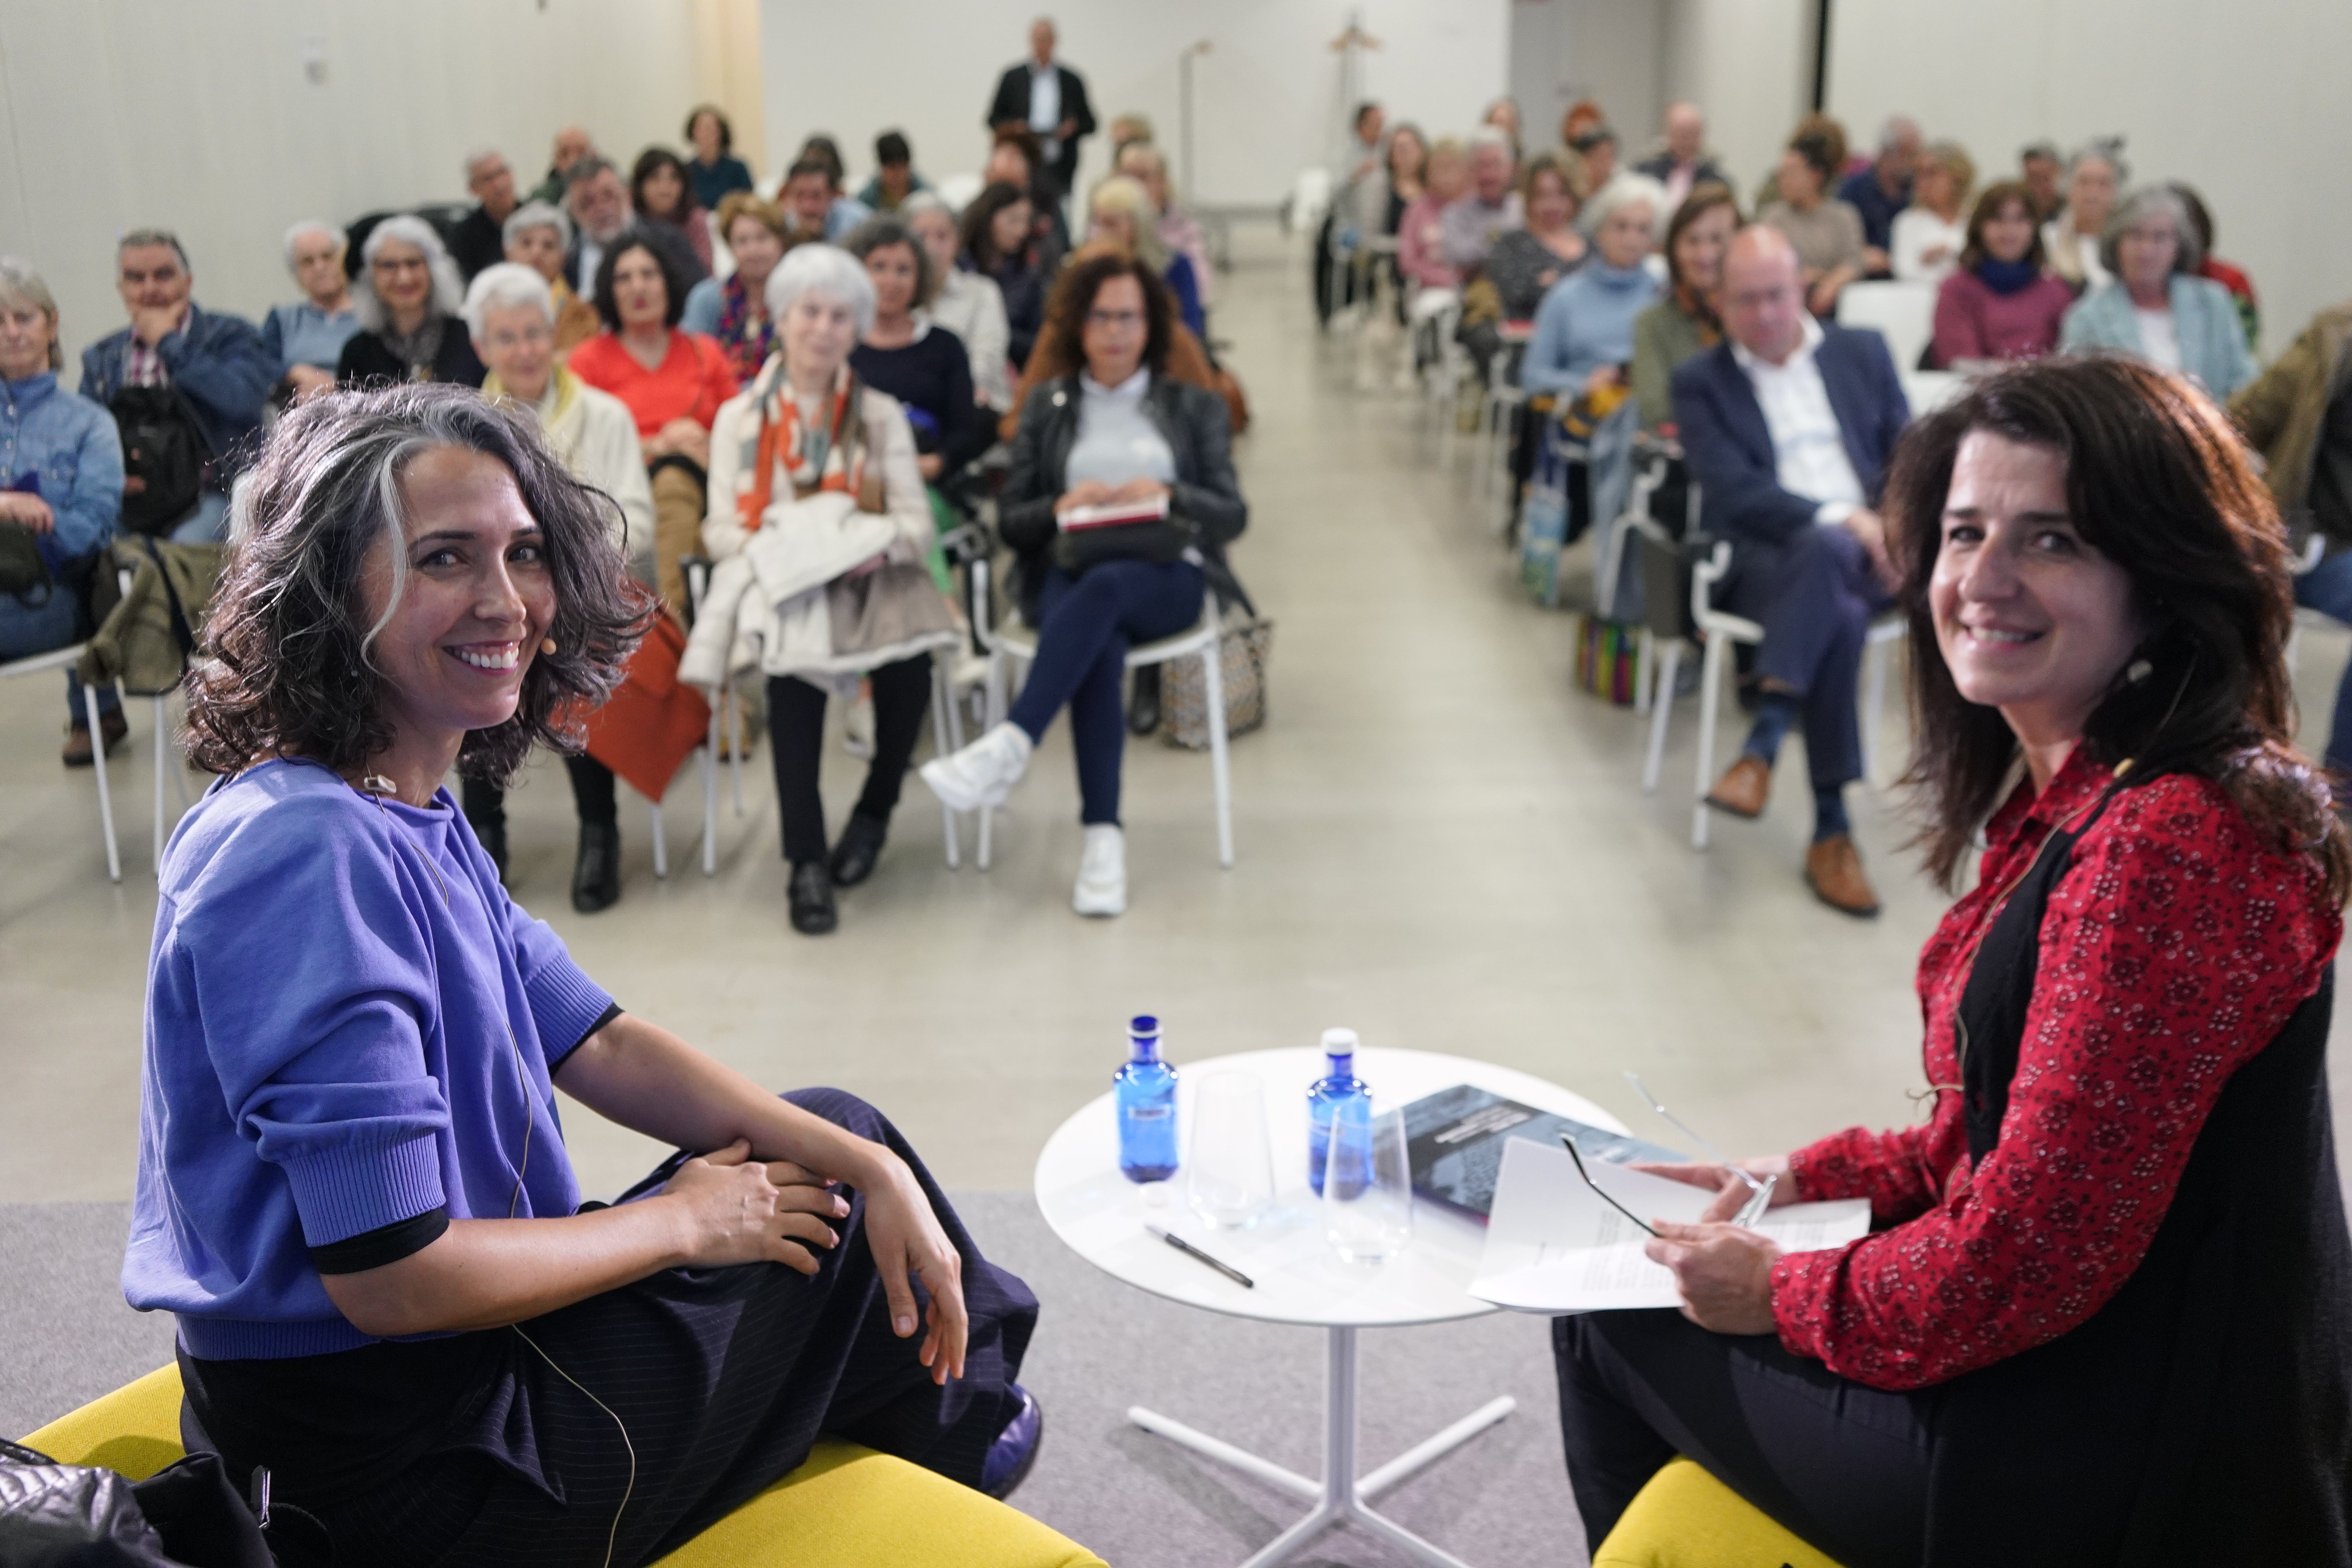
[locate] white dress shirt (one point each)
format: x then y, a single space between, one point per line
1809 456
1045 105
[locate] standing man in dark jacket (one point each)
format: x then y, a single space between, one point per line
212 365
1048 99
1788 425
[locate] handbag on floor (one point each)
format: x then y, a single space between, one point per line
1556 512
1608 657
1246 640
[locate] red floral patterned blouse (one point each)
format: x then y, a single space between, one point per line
2172 950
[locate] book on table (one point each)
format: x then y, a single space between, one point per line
1112 514
1455 1140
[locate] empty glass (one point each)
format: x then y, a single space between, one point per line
1367 1188
1229 1170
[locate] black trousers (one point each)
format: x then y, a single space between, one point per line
722 1380
1842 1465
902 696
592 795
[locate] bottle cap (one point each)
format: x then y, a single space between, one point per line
1340 1042
1144 1024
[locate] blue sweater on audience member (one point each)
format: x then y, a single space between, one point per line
1586 320
69 445
343 1006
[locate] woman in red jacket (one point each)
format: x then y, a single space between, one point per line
2104 1315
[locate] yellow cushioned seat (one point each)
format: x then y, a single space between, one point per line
847 1508
1686 1519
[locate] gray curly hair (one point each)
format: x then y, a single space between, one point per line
448 288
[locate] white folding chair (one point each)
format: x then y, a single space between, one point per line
698 585
65 659
1928 390
1902 313
1438 311
1203 642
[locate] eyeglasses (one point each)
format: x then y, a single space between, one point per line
1759 1192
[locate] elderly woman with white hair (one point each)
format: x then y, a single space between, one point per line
968 304
408 300
1121 213
538 234
306 338
2158 307
820 525
511 315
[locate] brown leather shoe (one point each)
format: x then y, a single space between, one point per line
1744 790
1834 871
79 752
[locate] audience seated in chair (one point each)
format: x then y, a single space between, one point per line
1825 230
1421 226
1119 214
1001 243
399 1305
1178 229
1930 233
62 484
1407 170
715 169
904 353
204 374
2002 301
1473 221
480 239
1017 159
2157 306
2227 274
1881 192
733 312
2298 416
598 204
2040 170
1526 262
306 338
1058 355
672 381
894 175
967 303
1685 323
2039 1354
1119 430
843 212
2075 239
409 302
814 481
1788 425
660 194
1684 163
538 236
511 313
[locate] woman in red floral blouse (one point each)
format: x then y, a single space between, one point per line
2104 1310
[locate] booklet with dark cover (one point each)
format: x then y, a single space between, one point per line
1455 1140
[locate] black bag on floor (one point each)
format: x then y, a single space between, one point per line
163 449
185 1515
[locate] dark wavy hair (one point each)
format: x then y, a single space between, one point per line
1074 296
978 239
650 161
285 670
2159 483
668 248
2000 194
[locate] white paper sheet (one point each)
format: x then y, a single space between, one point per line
1554 1244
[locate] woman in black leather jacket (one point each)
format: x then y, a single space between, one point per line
1119 434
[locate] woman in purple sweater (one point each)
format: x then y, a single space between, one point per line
353 1192
2002 302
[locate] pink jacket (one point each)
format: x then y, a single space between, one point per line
1418 257
1974 323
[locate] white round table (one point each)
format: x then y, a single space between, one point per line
1298 1279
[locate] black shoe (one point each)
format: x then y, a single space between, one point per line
1014 1452
1143 701
861 846
810 894
597 875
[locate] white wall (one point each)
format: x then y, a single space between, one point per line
197 115
1266 96
1749 64
1610 51
2247 103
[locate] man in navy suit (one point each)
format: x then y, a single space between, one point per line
1788 425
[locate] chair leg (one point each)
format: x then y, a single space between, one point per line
105 796
1212 673
1662 706
1710 697
1874 705
735 745
942 713
993 693
1645 674
661 845
162 747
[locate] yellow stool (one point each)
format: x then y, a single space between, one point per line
1686 1519
847 1508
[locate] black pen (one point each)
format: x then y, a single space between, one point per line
1189 1250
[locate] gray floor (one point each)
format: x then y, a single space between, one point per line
1441 842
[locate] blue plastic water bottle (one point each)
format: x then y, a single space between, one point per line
1338 1096
1145 1089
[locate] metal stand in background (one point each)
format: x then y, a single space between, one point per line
1338 1498
1184 115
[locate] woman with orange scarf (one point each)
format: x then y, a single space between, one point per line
820 526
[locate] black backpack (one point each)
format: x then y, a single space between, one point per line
163 448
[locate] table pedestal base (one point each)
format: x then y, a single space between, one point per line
1338 1499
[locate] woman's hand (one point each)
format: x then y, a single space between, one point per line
1731 1194
1603 378
23 505
1724 1274
680 437
738 1210
1085 492
308 380
908 1243
930 466
1137 490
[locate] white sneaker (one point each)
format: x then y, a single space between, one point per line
1102 873
857 728
982 773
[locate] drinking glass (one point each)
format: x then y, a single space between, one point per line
1229 1170
1367 1188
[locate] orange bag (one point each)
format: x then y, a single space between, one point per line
654 721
